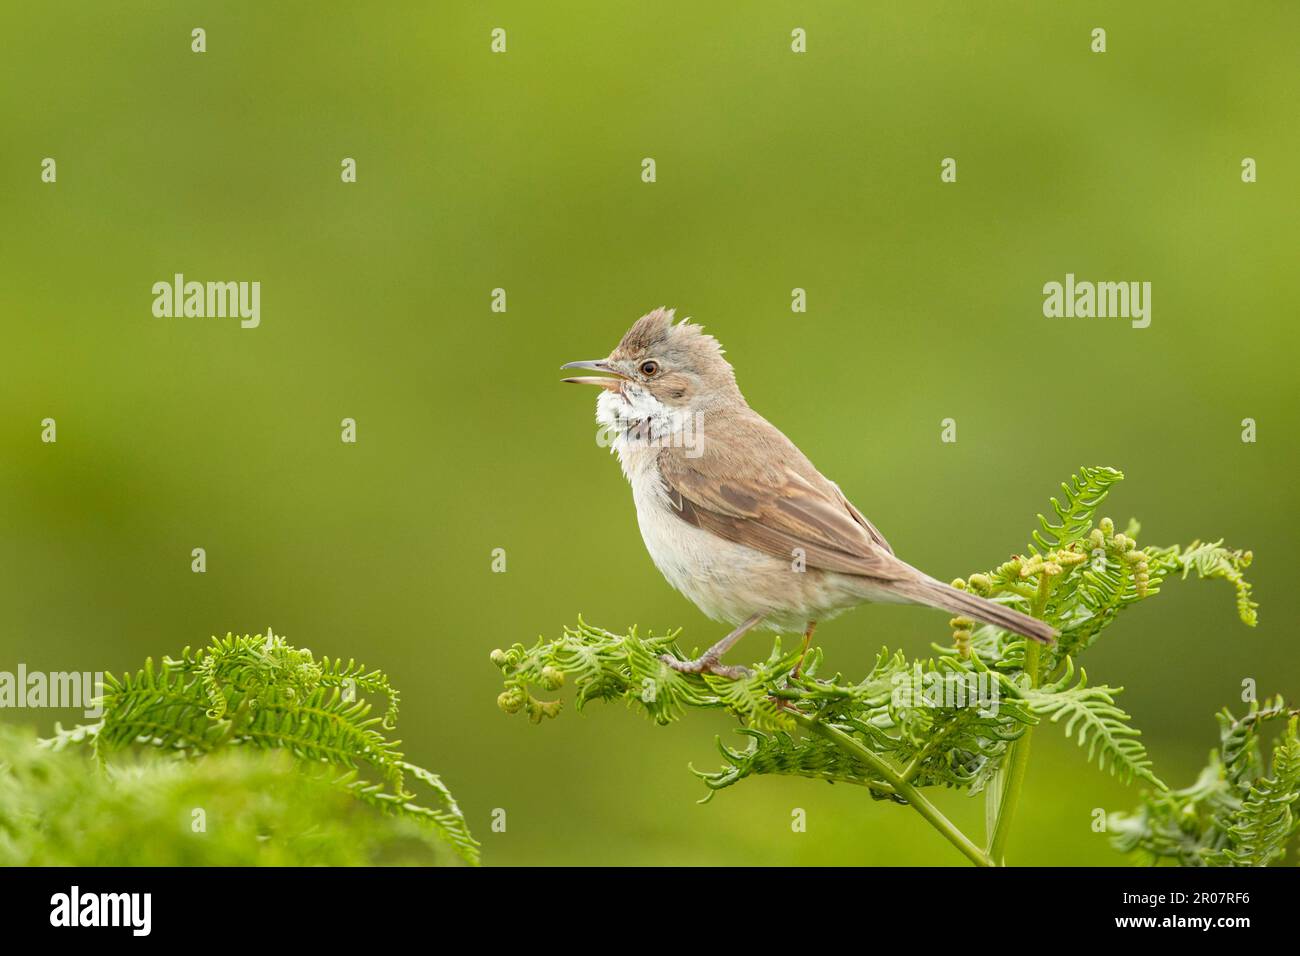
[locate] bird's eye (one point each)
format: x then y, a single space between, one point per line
650 368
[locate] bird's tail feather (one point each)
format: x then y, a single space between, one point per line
926 590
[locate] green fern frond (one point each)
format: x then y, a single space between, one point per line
1102 726
1238 813
1083 586
1212 560
235 807
1168 824
958 723
606 666
1082 495
447 821
353 677
782 753
262 693
1260 831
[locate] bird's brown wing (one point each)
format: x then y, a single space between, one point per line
876 537
773 500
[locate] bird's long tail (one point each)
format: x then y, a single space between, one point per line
926 590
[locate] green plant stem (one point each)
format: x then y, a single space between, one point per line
902 787
1015 776
1019 759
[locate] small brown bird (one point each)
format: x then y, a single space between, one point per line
733 514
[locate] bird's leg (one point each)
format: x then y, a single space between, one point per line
710 662
807 640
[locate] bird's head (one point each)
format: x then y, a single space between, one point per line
674 366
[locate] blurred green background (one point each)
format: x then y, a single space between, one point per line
522 171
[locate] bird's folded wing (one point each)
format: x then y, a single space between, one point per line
777 511
876 536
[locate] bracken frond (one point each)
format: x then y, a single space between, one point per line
1082 495
1239 812
259 692
1101 726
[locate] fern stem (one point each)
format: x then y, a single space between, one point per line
913 796
1015 776
1019 759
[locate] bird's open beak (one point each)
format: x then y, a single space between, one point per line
600 365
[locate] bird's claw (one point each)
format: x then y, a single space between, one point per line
707 665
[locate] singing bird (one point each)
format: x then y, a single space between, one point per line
733 514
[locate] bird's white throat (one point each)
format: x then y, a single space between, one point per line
633 421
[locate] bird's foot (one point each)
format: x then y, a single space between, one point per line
807 640
707 664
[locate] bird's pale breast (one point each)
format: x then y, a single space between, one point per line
728 581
